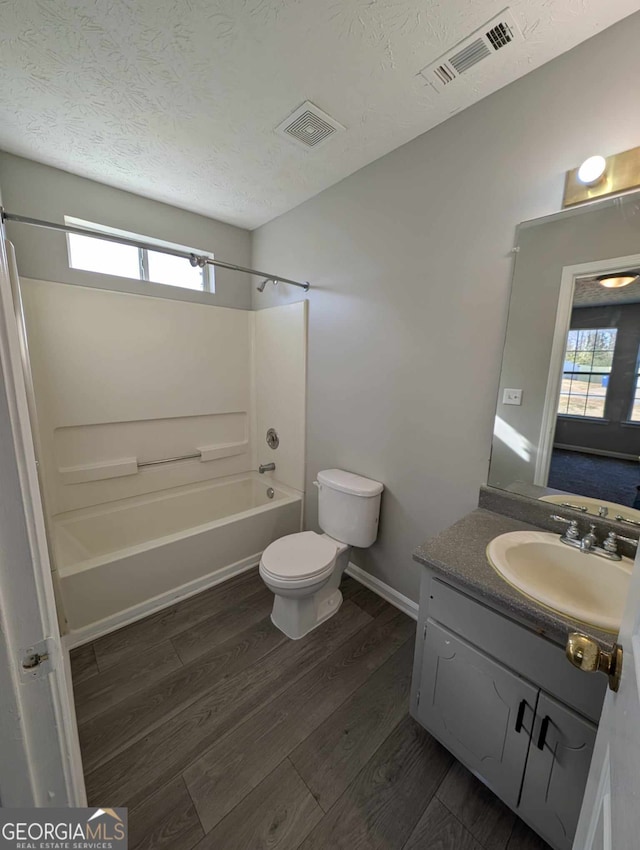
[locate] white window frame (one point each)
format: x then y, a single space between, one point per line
630 420
208 271
583 416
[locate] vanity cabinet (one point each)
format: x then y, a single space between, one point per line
557 767
507 703
479 709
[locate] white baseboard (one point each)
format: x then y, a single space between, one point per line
600 452
77 637
394 597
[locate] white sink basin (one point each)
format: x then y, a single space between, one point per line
583 586
592 505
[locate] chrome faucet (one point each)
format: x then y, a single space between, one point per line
266 467
610 545
571 536
589 543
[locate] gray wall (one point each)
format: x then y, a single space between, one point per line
410 264
601 231
38 191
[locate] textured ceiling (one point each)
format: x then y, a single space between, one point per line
177 99
589 293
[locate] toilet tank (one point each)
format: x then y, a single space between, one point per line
348 506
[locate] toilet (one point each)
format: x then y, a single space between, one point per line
304 570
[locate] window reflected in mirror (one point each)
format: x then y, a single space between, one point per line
634 416
587 368
595 445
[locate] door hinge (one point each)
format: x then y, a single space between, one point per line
37 661
418 699
424 632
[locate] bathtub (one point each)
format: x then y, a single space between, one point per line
122 560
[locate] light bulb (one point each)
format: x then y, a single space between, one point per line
592 170
616 281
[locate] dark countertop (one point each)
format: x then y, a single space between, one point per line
458 555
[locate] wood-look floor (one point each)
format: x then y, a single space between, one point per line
219 733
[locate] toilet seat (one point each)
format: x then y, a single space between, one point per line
299 557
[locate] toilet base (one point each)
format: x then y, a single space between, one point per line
296 617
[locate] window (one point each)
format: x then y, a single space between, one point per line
97 255
634 416
587 367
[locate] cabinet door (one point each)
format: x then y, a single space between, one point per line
482 712
556 773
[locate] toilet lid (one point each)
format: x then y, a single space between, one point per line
297 556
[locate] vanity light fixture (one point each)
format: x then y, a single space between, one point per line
599 176
616 281
592 170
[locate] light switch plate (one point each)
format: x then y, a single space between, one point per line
512 397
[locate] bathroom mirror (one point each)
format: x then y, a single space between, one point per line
567 426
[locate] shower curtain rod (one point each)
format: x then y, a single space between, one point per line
195 259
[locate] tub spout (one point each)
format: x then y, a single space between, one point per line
266 467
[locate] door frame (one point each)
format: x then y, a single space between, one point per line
554 379
41 764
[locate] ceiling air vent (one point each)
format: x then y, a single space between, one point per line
500 35
309 126
481 45
469 56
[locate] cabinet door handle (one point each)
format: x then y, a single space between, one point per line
543 733
520 717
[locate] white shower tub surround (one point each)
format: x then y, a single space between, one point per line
122 560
